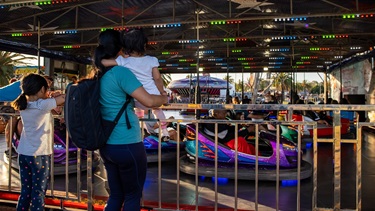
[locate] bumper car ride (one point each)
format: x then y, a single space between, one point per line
267 158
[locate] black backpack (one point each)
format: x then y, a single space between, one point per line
86 127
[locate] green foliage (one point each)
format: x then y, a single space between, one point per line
7 61
231 80
282 81
238 86
166 79
317 89
263 84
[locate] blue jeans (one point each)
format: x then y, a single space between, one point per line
126 167
35 174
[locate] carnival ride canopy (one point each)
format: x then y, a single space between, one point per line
224 36
208 85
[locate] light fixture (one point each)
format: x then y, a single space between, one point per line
277 58
22 34
269 26
303 63
66 32
188 41
334 36
200 11
284 38
215 60
320 49
267 40
169 25
71 46
245 59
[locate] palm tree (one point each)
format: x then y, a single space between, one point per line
7 61
238 86
230 79
166 79
282 81
263 84
299 87
306 86
317 89
248 85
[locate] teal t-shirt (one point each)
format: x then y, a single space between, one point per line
114 86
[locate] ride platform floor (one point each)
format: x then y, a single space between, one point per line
267 199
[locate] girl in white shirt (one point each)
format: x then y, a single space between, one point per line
144 67
35 146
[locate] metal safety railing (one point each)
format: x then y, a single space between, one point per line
64 198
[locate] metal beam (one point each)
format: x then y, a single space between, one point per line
139 14
59 16
101 16
208 8
260 4
49 11
336 5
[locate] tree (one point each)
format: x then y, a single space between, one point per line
263 84
166 79
306 86
249 85
317 89
282 81
238 86
230 79
7 61
299 87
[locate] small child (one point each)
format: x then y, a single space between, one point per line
35 146
144 67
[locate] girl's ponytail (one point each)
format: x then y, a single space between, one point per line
31 84
20 103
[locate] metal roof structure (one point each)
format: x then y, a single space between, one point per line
215 35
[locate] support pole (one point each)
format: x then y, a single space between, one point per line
242 87
38 51
227 94
197 88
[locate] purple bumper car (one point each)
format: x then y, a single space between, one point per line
226 158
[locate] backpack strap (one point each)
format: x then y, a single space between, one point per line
128 99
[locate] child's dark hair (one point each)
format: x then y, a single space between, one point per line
108 48
30 85
134 41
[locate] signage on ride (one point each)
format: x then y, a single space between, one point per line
26 69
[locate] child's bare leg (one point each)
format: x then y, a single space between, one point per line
159 114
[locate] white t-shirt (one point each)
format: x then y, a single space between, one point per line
37 132
142 69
